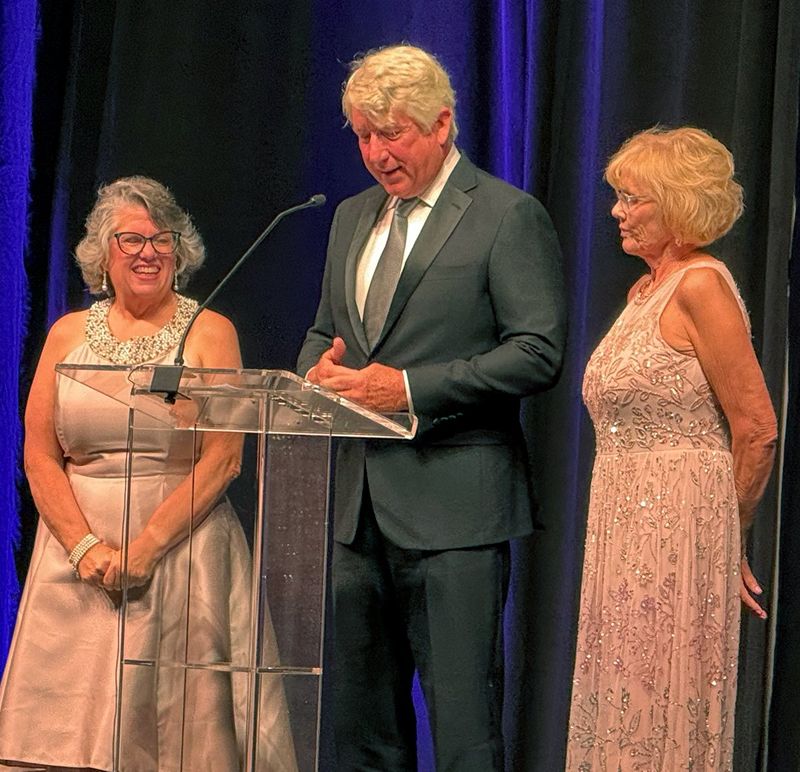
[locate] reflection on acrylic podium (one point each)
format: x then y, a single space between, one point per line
220 657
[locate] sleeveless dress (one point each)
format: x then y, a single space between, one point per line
57 697
654 684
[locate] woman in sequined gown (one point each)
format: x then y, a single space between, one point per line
58 694
685 435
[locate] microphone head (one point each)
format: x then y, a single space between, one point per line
317 199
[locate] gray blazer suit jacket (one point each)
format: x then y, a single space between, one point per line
477 321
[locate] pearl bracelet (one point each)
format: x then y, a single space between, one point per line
79 550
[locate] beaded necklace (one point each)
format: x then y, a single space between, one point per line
644 292
135 351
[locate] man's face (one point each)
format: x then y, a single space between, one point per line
398 154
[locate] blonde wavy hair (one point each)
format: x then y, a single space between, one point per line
399 77
689 174
91 253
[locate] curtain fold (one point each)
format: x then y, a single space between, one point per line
781 746
18 31
235 106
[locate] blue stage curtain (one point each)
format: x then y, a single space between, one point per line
236 106
17 47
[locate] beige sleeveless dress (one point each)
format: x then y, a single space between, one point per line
655 673
57 697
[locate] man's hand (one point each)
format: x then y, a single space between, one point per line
377 387
330 358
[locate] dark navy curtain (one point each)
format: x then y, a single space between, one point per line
235 106
17 45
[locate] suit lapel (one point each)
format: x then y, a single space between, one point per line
373 206
453 202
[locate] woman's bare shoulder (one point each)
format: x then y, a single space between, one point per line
66 333
705 283
214 341
213 322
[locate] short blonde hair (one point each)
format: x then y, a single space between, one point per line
92 250
399 77
690 176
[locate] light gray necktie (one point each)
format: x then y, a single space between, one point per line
387 272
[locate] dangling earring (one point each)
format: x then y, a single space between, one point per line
175 280
104 285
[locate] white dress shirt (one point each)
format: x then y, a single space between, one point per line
376 242
380 233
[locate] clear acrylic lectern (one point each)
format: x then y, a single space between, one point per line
285 426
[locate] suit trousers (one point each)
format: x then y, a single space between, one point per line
436 611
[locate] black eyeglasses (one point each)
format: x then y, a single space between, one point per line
163 242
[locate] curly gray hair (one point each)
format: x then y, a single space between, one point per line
92 250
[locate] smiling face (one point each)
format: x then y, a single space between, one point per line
397 153
641 226
149 274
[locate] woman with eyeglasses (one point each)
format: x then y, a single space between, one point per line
58 695
685 438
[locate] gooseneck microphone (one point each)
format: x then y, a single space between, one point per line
167 378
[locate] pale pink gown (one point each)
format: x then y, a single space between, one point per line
655 674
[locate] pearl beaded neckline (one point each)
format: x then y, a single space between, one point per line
135 351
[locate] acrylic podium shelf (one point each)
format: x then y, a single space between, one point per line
286 426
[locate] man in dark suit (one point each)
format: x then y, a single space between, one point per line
474 322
